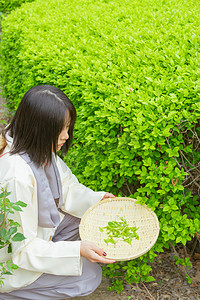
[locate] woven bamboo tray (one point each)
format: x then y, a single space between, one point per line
112 209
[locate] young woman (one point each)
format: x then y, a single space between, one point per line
53 262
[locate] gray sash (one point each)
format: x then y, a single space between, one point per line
48 189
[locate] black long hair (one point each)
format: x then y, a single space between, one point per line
41 116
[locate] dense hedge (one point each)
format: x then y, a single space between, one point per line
9 5
132 70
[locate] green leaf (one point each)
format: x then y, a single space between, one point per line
18 237
17 208
9 248
11 231
3 234
1 217
20 203
150 279
178 239
166 208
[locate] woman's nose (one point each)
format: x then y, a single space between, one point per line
65 135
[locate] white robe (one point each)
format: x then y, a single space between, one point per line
37 254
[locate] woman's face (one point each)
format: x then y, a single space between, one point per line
63 136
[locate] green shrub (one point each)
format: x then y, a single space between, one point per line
132 70
8 233
9 5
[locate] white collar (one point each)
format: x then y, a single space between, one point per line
9 139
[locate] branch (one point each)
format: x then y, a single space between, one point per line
151 297
198 165
129 190
186 169
192 182
195 134
186 157
173 156
176 253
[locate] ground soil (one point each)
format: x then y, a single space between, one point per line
169 284
169 278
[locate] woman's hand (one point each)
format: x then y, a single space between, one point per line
108 195
94 253
91 251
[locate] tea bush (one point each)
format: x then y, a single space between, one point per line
132 70
9 5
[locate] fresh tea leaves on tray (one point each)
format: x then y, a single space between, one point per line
119 231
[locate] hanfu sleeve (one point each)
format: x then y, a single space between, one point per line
77 198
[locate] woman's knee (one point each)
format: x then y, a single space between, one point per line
92 274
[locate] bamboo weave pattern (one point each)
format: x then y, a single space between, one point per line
112 210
